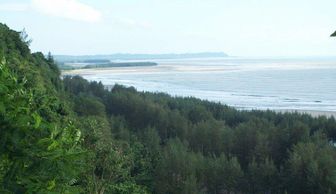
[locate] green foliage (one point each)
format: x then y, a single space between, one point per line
33 149
127 188
109 166
263 177
222 174
87 105
11 43
312 168
50 142
175 171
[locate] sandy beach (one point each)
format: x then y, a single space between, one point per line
161 68
190 67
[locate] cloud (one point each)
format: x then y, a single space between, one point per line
69 9
14 7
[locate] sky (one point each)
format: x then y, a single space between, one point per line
236 27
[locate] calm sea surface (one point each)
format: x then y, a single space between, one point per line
247 83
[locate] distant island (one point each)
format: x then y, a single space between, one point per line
125 56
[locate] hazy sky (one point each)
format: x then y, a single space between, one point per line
237 27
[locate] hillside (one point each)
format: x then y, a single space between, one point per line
73 136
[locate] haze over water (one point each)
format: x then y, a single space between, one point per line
246 83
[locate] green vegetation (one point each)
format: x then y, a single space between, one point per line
74 136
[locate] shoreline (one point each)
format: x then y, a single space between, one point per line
164 67
313 113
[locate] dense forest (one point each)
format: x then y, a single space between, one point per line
68 135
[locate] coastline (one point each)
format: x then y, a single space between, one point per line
121 70
177 68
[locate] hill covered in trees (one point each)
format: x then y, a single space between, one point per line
73 136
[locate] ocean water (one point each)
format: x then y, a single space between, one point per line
245 83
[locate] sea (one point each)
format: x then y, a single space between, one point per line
301 83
